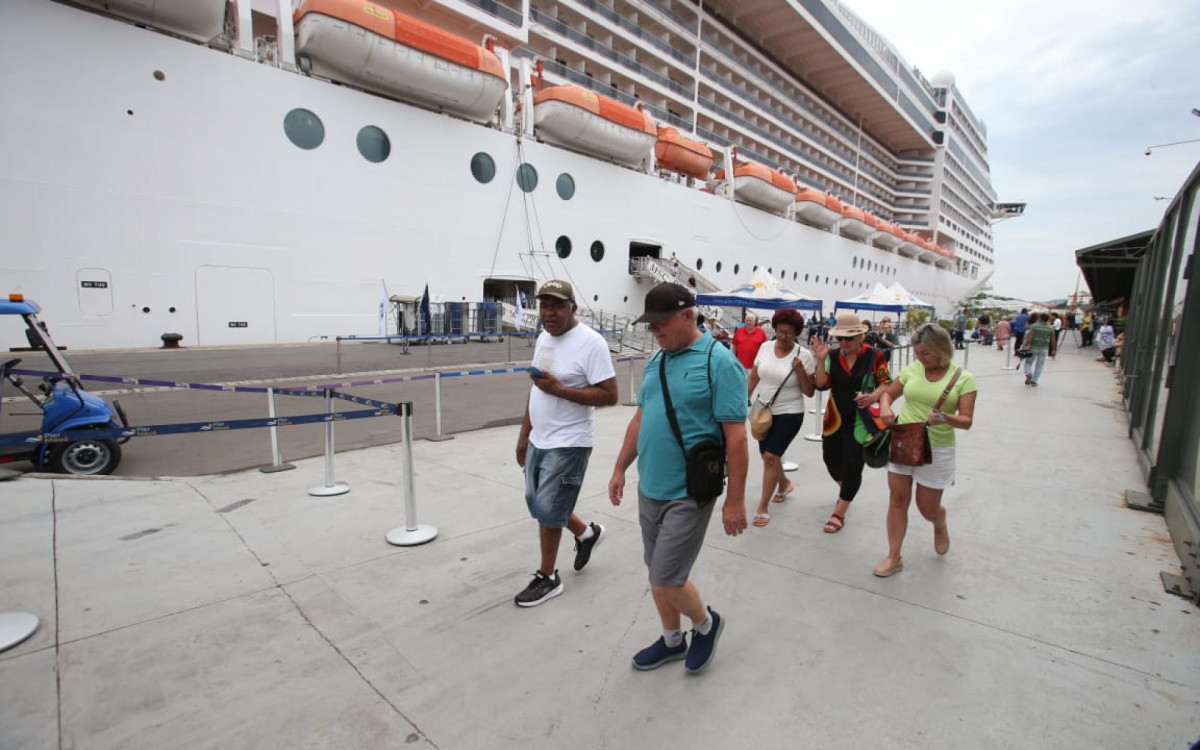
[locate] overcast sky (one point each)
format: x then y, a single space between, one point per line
1072 94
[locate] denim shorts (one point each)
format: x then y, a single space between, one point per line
553 478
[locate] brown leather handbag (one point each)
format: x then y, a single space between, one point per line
910 442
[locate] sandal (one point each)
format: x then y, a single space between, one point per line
835 523
888 568
779 497
941 536
762 519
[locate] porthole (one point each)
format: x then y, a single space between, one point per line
816 279
597 251
159 75
718 266
854 262
770 271
795 275
483 168
373 144
752 270
699 263
565 186
527 178
304 129
625 298
736 267
562 246
806 278
782 274
595 298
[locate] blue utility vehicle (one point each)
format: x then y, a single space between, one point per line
65 406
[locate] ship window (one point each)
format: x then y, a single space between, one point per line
736 267
597 250
565 187
718 266
562 245
699 263
483 168
795 275
373 144
805 277
854 262
527 178
303 128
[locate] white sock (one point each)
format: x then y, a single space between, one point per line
703 627
587 534
672 638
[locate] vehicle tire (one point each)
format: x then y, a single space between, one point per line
85 457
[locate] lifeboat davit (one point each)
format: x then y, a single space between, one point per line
761 186
854 224
574 117
679 154
887 235
380 49
817 208
195 19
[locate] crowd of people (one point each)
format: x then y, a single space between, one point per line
689 432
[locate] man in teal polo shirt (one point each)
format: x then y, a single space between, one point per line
707 387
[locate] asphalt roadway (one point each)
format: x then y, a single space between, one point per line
468 403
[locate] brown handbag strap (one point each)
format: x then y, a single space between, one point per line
945 393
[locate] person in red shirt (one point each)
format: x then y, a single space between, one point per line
747 340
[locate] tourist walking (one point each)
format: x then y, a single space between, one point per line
960 329
942 395
1040 341
888 340
781 377
856 375
1002 334
1018 327
692 392
747 339
572 374
1106 342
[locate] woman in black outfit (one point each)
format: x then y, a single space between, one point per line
855 375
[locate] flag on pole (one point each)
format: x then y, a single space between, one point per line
520 311
384 303
423 312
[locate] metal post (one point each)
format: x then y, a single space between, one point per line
277 463
411 534
339 355
508 341
437 410
331 486
1008 357
966 354
815 437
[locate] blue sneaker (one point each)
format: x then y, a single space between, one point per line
704 647
659 653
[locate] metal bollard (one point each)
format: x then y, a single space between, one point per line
339 355
508 341
966 354
277 463
815 437
412 534
1008 358
331 487
437 410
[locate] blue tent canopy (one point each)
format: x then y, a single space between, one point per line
763 292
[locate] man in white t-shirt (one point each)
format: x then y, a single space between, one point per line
572 374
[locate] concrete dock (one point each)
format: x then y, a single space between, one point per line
237 611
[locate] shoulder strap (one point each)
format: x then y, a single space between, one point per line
945 393
670 406
783 382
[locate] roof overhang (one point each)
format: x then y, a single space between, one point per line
1109 267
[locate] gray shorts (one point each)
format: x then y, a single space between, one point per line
672 535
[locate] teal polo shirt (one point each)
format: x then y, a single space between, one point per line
700 407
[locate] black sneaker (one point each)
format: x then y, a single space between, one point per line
704 647
583 550
540 589
659 653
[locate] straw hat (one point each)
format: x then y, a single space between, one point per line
848 324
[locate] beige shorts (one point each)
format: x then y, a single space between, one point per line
937 475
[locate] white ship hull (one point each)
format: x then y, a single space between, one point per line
136 206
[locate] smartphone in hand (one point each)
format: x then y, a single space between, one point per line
535 372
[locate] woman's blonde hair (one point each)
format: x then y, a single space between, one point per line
937 339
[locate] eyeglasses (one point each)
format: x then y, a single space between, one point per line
845 338
784 332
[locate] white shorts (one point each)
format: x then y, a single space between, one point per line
937 475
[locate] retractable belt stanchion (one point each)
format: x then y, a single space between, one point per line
411 534
815 437
437 410
277 463
331 487
339 355
16 627
1008 349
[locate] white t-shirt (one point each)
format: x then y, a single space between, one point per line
1057 324
771 372
578 358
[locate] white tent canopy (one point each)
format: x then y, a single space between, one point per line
907 298
879 298
761 291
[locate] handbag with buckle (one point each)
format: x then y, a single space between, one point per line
761 416
705 461
910 442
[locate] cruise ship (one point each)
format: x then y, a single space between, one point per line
257 171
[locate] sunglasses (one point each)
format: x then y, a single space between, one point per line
845 338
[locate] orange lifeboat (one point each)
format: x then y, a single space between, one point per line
911 245
887 235
574 117
399 56
679 154
814 207
761 186
854 223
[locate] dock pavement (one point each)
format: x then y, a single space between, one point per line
238 611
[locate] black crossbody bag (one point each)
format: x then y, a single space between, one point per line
705 462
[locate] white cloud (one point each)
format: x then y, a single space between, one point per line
1072 93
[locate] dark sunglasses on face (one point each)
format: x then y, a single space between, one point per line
845 338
